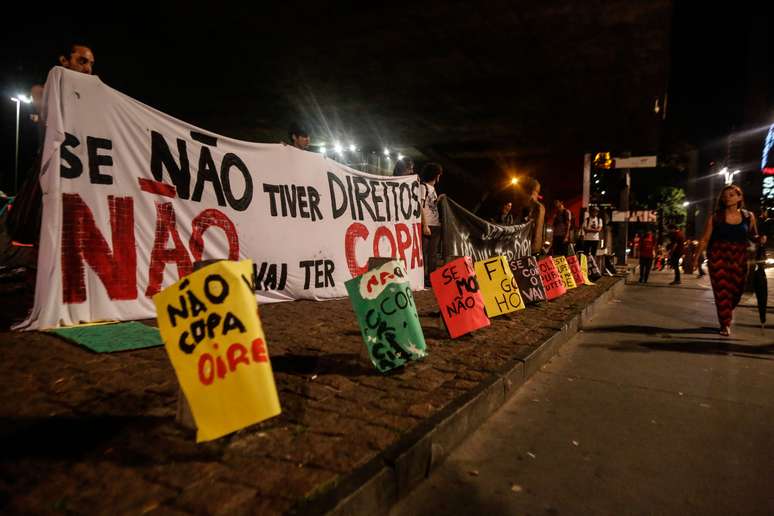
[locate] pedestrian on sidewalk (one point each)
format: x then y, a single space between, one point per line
675 250
700 257
647 245
726 237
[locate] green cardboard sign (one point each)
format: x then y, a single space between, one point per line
385 309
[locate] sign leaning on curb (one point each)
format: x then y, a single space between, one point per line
214 339
387 315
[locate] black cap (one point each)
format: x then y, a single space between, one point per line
296 129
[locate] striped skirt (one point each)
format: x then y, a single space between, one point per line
728 270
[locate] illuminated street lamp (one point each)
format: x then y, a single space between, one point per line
728 176
514 180
18 99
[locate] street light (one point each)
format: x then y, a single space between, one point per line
514 180
729 176
685 204
18 99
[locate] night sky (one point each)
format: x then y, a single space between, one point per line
507 87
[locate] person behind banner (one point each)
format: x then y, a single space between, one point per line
535 212
592 226
505 218
647 247
431 220
23 221
404 167
299 137
562 225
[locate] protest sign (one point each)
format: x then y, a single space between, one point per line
132 198
466 234
564 272
585 269
527 275
457 292
385 309
498 286
575 270
213 336
552 281
594 272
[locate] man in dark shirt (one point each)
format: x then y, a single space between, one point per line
675 250
561 229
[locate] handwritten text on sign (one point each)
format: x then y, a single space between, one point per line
456 289
527 275
498 286
564 272
551 278
585 270
575 270
212 334
387 314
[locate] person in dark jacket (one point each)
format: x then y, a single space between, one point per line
675 250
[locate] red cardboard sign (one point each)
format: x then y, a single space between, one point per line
575 268
551 278
456 289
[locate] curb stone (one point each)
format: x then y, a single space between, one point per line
377 485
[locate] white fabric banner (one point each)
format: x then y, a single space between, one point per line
133 197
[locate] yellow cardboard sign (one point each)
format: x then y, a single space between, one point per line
585 269
213 336
498 286
564 271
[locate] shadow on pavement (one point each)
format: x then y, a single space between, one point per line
664 285
346 364
635 328
705 347
73 437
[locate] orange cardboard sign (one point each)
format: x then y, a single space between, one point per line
456 289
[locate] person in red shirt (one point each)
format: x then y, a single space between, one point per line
647 247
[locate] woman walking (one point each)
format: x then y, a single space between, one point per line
726 237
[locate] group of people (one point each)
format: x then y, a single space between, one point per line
590 230
726 238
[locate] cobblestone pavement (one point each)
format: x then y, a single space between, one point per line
95 433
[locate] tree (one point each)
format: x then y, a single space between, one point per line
669 203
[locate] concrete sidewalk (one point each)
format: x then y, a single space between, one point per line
648 410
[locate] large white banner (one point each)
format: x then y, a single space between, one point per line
132 198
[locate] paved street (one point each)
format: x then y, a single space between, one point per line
647 411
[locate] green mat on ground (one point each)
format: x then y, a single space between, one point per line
107 338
